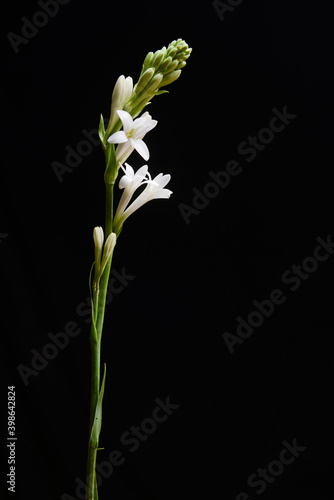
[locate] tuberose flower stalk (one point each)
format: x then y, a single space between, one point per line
159 69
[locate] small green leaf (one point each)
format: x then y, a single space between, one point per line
93 329
96 428
111 170
102 131
90 280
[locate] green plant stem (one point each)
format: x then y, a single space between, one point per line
95 339
91 493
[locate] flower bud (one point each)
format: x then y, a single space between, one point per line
165 64
154 84
128 89
170 77
147 61
121 94
172 66
144 79
171 51
158 58
181 65
107 251
98 237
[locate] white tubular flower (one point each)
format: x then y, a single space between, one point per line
131 137
98 237
130 182
121 94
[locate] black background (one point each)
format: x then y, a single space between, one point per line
163 333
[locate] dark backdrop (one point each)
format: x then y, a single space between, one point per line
189 269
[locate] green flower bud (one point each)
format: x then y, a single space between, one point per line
170 78
183 51
165 64
98 237
154 84
181 65
145 96
171 51
158 58
143 80
147 61
159 69
172 66
107 251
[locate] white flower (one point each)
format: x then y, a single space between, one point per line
130 182
131 137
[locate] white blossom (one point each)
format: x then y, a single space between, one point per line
131 137
130 182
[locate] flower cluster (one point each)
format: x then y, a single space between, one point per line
130 182
131 137
128 140
125 132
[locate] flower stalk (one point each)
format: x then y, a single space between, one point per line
159 69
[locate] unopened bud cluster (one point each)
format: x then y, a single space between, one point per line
159 69
165 63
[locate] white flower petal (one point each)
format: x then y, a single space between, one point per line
129 170
124 181
128 89
163 193
161 180
126 120
141 131
118 138
123 151
141 148
142 171
139 122
154 190
149 125
118 90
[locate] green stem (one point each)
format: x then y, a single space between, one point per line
95 378
91 493
105 276
95 338
109 207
